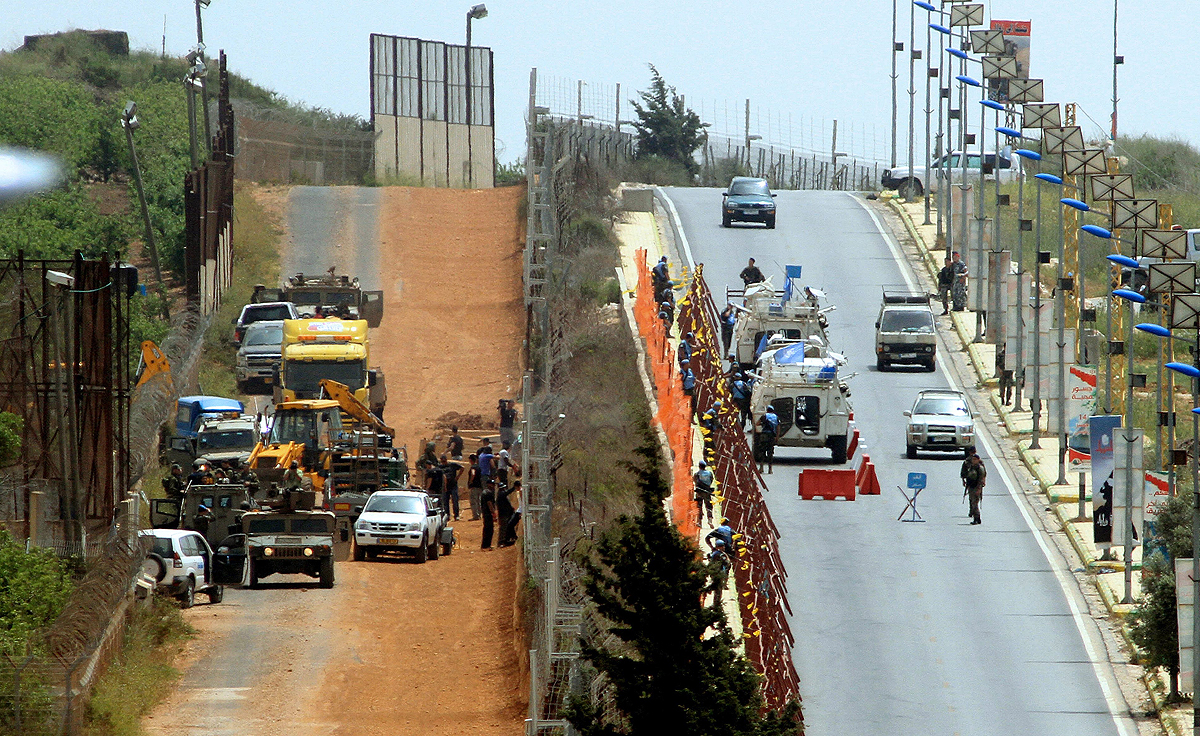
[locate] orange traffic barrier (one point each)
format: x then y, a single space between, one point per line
862 469
828 484
868 483
853 445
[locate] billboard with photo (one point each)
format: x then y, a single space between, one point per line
1016 43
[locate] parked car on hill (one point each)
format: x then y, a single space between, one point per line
181 563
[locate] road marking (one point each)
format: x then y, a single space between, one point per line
674 215
1117 706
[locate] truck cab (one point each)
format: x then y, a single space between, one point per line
905 331
334 349
190 410
217 438
331 292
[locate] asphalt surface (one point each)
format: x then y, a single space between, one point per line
334 226
905 628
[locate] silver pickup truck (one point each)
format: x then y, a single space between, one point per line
919 181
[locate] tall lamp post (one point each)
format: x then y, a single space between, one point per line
1130 297
199 51
1193 372
476 12
1060 314
130 123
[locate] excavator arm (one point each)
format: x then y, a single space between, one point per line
350 404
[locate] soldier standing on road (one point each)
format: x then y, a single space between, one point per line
718 559
740 390
728 320
487 504
508 534
1005 376
751 274
975 477
945 281
454 445
768 430
703 493
684 351
661 274
474 485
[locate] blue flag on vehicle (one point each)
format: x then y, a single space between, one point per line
789 272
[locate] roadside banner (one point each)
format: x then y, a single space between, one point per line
1158 494
1129 485
1082 385
1100 428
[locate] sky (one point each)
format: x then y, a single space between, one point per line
802 63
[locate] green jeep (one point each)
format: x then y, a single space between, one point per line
289 542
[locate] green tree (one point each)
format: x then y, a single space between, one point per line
11 426
675 669
1153 623
665 126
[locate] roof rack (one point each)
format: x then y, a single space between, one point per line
904 296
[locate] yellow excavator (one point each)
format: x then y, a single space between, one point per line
339 444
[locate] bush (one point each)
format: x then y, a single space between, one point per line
1161 163
11 426
51 115
34 587
508 175
57 224
659 171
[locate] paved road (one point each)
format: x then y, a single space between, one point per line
934 628
334 226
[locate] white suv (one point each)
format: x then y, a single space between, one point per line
408 521
940 420
181 563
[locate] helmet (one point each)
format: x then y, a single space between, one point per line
703 464
295 464
719 543
770 407
198 463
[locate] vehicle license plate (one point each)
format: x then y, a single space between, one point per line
907 355
941 439
388 540
749 212
287 540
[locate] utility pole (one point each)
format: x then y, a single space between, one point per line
894 51
749 162
204 78
130 123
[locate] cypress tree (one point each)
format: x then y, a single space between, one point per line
675 669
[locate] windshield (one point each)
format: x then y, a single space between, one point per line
907 320
267 335
750 187
395 504
267 526
230 439
315 525
259 314
292 425
944 407
955 161
305 378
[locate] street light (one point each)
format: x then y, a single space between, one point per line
1131 297
476 12
1193 373
130 122
1061 316
1160 331
1106 234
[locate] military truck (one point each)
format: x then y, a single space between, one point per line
794 313
290 539
335 294
801 382
905 331
224 503
217 438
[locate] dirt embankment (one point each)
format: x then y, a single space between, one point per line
395 647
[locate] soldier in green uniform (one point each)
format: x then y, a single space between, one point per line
175 484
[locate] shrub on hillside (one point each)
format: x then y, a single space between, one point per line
51 115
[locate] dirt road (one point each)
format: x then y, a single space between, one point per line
395 647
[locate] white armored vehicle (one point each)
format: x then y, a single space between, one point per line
794 313
801 381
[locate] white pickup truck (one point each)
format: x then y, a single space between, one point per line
920 181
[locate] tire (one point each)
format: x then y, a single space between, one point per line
932 365
770 223
216 594
910 189
725 221
422 554
911 453
154 566
327 572
447 548
187 598
360 554
253 573
880 364
433 550
837 444
242 388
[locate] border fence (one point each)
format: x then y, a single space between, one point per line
740 138
561 618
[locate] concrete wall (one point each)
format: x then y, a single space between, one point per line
433 152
